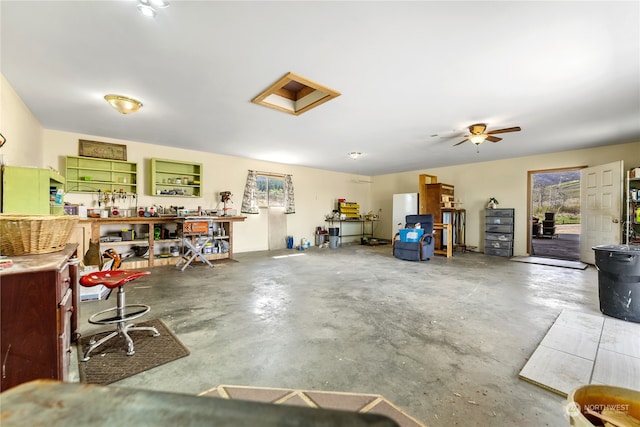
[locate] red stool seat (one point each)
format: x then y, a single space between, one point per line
111 278
121 313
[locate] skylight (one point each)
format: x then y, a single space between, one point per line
295 95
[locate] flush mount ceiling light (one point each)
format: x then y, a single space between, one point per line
146 7
355 154
123 104
295 95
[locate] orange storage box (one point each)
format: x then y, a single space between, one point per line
196 227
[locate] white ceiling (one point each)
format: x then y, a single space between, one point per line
567 72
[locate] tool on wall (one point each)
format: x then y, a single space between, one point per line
225 196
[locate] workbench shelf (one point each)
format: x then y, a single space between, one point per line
89 175
158 253
172 178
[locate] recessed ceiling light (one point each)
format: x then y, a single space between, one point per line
294 94
355 154
123 104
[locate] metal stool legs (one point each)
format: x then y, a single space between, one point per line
123 313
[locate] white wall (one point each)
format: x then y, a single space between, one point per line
20 128
316 191
506 180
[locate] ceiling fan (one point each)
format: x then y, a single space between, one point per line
478 135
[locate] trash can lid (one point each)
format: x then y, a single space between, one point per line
628 249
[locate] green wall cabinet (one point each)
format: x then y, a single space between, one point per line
28 190
88 175
174 178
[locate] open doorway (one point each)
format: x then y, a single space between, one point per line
554 212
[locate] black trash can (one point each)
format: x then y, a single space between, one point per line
619 280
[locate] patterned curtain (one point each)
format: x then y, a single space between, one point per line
289 200
249 202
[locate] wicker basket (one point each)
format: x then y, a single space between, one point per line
35 234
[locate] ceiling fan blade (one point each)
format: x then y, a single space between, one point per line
493 138
451 136
505 130
464 140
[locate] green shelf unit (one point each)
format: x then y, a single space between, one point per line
88 175
27 190
164 176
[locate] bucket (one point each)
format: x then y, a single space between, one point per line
333 242
597 397
333 231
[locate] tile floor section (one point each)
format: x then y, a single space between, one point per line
582 348
362 403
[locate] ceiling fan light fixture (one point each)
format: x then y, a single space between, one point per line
355 154
123 104
478 139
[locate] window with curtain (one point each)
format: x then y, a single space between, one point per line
264 190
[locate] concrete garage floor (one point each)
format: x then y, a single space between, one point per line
443 339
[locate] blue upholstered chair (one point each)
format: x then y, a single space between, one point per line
421 250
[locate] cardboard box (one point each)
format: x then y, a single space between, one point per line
411 234
634 173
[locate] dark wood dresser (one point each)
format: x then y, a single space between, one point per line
38 309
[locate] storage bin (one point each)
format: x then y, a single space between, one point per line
411 234
499 228
500 220
506 252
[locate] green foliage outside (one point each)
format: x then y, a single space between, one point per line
561 198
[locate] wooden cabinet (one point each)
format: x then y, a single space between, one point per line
431 203
498 236
174 178
89 175
27 190
39 303
159 248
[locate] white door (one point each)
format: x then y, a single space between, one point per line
600 208
277 229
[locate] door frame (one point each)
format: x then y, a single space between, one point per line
529 205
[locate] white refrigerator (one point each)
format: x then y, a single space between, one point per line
403 204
